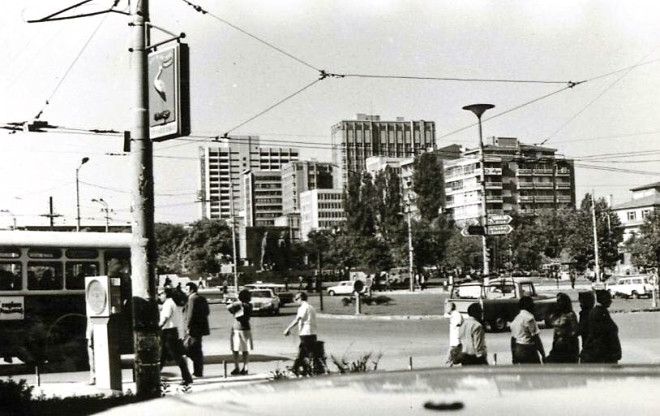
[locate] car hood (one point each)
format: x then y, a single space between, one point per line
510 390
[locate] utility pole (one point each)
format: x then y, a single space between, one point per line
593 221
411 253
143 247
51 215
233 231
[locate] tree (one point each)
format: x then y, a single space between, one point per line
169 238
644 246
207 245
429 185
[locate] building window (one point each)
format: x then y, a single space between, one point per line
632 216
646 213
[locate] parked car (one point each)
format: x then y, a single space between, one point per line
285 296
345 287
265 301
631 287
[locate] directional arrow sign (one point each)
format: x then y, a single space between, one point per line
472 230
498 219
499 229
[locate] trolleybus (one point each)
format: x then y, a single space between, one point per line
42 296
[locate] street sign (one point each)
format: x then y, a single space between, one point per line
498 229
498 219
472 230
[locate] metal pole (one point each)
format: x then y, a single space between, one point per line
143 247
411 253
233 231
593 221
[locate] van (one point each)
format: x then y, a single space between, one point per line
631 287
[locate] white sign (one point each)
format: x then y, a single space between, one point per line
12 308
498 219
499 229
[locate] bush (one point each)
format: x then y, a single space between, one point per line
361 365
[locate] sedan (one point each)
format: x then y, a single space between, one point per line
344 287
265 301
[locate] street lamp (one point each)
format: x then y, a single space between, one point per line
82 162
12 215
478 110
106 210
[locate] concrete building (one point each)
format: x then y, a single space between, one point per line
632 214
221 167
518 177
320 209
353 141
262 192
300 176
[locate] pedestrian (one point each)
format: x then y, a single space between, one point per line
587 302
526 345
300 283
170 319
455 322
602 344
472 337
306 321
196 321
422 281
224 287
241 335
565 343
286 284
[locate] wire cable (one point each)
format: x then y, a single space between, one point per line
449 79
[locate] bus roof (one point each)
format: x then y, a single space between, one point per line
65 239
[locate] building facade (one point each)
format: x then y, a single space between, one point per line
300 176
517 177
632 214
353 141
221 167
262 192
321 209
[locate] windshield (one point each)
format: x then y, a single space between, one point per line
261 294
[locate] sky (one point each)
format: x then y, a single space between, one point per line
400 58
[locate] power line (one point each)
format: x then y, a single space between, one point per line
451 79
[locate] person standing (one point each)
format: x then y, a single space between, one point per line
526 345
602 344
306 321
170 318
587 302
89 335
197 325
455 322
472 337
565 343
240 340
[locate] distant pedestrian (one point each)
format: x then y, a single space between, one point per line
526 345
89 335
587 302
300 283
472 337
565 343
572 277
224 287
306 321
602 345
286 284
170 320
241 334
196 321
455 322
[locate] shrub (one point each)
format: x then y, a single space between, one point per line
361 365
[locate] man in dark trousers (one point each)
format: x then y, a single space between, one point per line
196 322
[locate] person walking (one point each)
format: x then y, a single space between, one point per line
241 334
170 318
587 302
602 344
565 343
455 322
196 322
526 345
472 337
306 321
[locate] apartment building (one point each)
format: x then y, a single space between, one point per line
320 209
517 177
262 192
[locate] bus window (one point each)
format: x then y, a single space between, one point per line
10 276
82 253
9 252
44 253
76 272
44 276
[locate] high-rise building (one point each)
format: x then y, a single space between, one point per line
262 190
517 177
300 176
221 167
321 209
353 141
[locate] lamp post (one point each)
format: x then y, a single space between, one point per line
82 162
106 210
478 110
6 211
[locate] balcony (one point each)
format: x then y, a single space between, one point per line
525 185
544 198
563 172
543 172
543 185
493 185
524 172
564 199
525 198
493 171
562 185
494 199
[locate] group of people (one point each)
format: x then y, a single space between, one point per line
599 334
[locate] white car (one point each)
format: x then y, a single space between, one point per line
345 287
631 287
265 301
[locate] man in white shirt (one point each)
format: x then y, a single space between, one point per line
455 322
306 321
473 338
170 320
526 345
